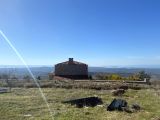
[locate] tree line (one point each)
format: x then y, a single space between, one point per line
140 76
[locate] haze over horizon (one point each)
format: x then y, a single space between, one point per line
98 32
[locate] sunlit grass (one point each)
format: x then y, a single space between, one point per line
27 104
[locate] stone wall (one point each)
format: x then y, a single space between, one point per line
71 69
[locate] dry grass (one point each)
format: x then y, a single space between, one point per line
69 84
27 104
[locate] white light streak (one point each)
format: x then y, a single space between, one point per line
30 72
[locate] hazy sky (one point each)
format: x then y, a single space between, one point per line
98 32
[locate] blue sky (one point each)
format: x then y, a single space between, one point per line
98 32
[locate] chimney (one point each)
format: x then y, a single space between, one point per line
70 60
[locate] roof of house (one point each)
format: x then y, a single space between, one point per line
71 61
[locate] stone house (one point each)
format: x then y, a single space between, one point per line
71 69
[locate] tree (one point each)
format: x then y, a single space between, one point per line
6 77
39 78
115 77
27 78
100 76
143 75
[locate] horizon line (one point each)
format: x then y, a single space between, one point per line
107 66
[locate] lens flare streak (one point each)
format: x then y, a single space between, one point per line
30 72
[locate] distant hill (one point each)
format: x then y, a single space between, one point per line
21 71
43 71
124 70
